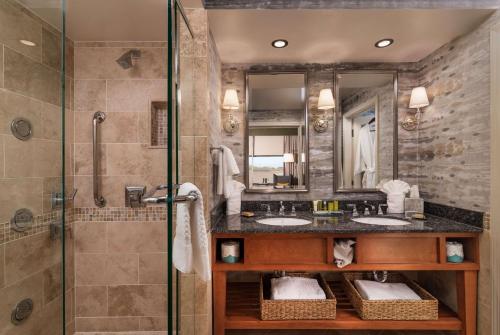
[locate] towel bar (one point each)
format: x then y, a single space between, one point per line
191 196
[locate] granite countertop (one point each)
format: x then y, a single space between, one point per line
341 224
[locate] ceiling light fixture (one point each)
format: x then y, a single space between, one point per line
279 43
384 43
28 43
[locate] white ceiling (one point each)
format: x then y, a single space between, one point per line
329 36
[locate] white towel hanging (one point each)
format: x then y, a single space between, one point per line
190 246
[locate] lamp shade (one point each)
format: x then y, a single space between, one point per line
419 98
288 158
231 100
325 100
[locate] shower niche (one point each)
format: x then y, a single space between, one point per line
158 124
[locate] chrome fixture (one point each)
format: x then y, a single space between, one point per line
133 196
21 311
325 102
151 199
231 102
22 220
377 277
21 128
293 212
355 213
384 43
282 209
129 59
418 100
56 198
98 118
280 43
268 209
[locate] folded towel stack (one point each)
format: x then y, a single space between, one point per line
296 288
372 290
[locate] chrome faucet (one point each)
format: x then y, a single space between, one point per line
368 209
355 213
268 209
282 209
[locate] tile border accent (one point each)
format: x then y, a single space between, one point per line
40 224
92 214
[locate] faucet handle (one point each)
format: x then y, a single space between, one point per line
294 212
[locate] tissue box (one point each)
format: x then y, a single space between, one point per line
414 205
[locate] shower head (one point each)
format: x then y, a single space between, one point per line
128 59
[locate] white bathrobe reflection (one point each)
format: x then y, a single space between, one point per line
365 158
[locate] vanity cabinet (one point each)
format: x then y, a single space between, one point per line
236 305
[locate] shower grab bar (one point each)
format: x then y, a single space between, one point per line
98 118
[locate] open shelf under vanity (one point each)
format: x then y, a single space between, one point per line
237 306
243 312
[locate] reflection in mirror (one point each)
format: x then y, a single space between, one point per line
366 122
276 132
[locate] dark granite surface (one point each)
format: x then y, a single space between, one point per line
339 225
456 214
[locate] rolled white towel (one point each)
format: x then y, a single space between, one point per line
296 288
372 290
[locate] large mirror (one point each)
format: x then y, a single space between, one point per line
366 129
277 136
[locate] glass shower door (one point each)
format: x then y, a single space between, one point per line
181 161
32 107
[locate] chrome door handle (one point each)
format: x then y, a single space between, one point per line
56 198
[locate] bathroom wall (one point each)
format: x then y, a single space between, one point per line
120 253
455 143
30 87
199 130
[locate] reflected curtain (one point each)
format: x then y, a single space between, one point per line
291 146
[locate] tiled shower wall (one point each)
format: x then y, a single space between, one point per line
120 253
30 87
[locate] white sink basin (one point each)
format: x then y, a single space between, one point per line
382 221
284 221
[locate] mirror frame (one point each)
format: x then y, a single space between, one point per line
338 131
247 132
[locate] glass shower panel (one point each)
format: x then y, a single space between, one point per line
32 107
184 135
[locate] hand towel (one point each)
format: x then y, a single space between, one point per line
343 252
190 246
233 204
372 290
296 288
396 192
227 168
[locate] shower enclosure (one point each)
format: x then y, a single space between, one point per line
70 264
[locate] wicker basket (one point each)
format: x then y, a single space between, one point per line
425 309
296 309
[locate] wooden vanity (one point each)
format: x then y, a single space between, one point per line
236 305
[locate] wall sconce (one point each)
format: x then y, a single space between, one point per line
325 102
418 100
231 124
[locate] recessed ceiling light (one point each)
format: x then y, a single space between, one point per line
279 43
28 43
384 43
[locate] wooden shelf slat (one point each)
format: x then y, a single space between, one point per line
243 312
